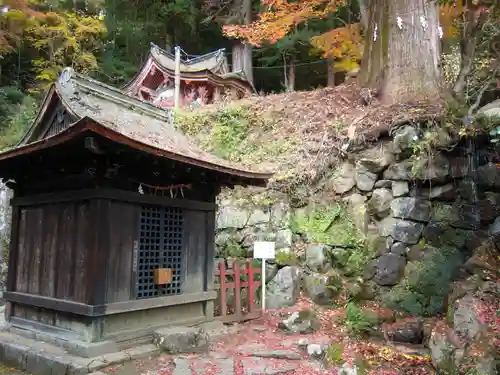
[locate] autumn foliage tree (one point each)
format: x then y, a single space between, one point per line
342 44
400 40
15 17
63 40
235 12
280 18
53 39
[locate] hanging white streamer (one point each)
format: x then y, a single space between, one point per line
375 33
423 22
399 20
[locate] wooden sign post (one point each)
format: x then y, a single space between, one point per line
264 250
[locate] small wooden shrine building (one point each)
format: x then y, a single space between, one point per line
113 218
205 79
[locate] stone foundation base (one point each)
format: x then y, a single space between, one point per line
44 354
70 345
41 358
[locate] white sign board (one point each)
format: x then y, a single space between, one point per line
264 250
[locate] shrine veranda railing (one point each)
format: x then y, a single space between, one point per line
238 288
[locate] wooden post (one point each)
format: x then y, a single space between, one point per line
237 288
177 91
251 287
263 285
223 286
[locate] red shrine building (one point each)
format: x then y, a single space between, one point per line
204 80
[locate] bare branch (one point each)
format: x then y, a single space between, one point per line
219 6
474 19
483 89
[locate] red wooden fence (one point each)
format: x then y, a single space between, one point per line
229 279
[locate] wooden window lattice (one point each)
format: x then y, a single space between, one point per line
160 246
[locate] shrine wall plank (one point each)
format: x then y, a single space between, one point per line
53 245
118 232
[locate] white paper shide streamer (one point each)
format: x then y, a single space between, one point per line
399 21
423 22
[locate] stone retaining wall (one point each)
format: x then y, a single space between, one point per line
239 226
407 208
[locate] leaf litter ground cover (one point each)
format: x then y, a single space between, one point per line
251 352
298 135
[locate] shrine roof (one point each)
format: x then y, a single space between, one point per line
212 66
214 61
108 111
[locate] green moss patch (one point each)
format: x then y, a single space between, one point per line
333 225
286 258
428 283
234 133
330 225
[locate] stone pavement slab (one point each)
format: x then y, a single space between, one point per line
221 365
259 366
204 366
278 354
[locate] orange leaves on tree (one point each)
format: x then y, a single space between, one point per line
279 18
23 6
344 44
451 14
448 17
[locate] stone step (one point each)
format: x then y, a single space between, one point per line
180 339
41 358
217 330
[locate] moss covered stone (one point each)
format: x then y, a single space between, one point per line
426 285
331 225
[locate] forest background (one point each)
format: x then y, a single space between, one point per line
298 45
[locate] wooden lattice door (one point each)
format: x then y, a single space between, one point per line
160 246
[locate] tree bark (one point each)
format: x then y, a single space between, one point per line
242 59
242 52
363 10
285 73
402 64
291 75
331 72
474 20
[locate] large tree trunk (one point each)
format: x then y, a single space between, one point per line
402 64
242 52
242 59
